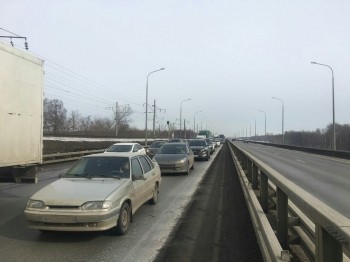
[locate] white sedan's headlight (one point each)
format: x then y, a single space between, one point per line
183 160
96 205
36 204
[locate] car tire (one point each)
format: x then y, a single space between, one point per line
154 198
192 167
123 220
188 169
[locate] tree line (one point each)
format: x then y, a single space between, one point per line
320 138
59 123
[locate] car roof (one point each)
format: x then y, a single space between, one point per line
175 143
126 144
115 154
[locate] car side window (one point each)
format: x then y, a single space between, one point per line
136 168
149 161
145 164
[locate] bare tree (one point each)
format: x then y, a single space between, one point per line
54 115
85 124
74 121
101 125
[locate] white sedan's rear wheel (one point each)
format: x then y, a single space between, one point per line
154 198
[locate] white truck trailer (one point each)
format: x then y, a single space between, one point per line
21 112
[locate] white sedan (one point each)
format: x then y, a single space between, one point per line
127 147
99 192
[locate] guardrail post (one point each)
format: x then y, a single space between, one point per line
255 174
244 162
327 247
264 192
282 218
249 170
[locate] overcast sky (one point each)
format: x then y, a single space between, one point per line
230 57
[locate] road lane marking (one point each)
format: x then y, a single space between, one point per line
301 161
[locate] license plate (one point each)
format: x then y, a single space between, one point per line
59 219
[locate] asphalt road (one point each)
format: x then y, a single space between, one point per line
147 235
326 178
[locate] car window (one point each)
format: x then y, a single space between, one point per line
173 149
145 165
149 161
136 168
99 166
119 148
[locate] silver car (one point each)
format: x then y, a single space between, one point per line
175 158
99 192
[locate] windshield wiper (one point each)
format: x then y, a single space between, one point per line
110 176
86 175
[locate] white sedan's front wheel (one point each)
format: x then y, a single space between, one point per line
123 220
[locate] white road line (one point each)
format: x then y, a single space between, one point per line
301 161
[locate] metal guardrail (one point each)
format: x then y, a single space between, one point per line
319 151
288 216
70 156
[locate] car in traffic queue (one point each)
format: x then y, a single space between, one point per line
175 158
211 144
99 192
200 149
127 147
154 147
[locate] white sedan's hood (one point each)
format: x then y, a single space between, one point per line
67 191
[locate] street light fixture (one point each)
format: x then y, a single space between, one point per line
265 122
181 112
146 131
334 139
282 117
194 121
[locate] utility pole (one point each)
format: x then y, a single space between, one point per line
119 115
155 108
116 118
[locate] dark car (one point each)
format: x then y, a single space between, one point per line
200 149
154 148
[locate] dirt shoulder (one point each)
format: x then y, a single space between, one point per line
217 224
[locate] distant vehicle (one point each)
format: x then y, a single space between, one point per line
127 147
222 139
200 149
175 158
205 133
211 144
217 141
99 192
201 137
154 148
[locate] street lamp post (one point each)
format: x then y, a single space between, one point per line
334 139
265 122
282 117
254 127
146 131
181 112
202 122
194 121
250 129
